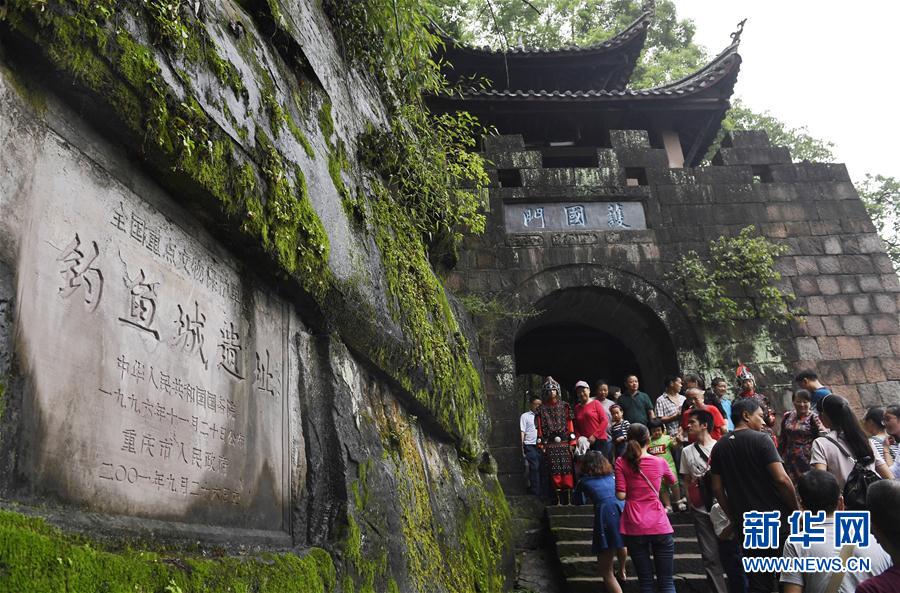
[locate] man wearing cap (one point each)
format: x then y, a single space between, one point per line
591 420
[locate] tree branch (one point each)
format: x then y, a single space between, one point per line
502 36
532 6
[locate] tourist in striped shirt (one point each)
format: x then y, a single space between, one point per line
873 424
618 429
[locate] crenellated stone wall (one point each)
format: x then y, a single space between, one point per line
835 265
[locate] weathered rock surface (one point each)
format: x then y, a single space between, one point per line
195 344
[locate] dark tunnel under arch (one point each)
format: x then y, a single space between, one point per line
591 333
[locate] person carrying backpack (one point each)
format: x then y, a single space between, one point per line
698 483
846 453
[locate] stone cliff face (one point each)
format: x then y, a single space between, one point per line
199 337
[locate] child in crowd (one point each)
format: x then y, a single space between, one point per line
618 429
662 445
581 448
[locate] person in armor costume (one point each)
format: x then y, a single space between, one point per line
747 388
556 438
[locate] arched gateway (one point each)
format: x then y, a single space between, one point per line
598 190
592 322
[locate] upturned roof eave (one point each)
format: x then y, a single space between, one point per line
633 35
718 78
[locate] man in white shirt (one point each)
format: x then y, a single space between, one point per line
530 450
694 465
819 491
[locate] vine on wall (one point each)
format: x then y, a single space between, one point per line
737 282
490 314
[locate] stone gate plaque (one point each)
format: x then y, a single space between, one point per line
574 216
158 373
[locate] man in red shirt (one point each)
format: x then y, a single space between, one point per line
694 397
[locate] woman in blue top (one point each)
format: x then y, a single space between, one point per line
599 485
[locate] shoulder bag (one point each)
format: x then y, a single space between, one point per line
858 481
706 491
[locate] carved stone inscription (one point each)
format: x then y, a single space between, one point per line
574 216
159 377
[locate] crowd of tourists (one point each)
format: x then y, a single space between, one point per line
717 454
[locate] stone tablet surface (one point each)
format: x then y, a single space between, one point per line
573 216
158 373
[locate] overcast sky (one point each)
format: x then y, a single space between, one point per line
828 65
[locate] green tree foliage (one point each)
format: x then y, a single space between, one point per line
803 146
881 195
736 282
670 52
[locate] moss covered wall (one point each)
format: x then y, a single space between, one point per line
38 557
249 113
246 114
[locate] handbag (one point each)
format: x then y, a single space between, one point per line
858 482
652 487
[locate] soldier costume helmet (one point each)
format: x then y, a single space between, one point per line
743 373
549 385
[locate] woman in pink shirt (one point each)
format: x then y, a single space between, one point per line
644 522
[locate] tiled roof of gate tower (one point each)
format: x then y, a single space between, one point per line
693 106
606 65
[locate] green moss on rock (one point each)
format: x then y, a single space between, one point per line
95 43
35 556
2 399
419 301
456 561
79 38
326 123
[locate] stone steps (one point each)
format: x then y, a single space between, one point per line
683 530
587 565
684 583
572 529
567 547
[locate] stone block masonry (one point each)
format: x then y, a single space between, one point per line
835 264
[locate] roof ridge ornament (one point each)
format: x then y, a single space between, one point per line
649 6
736 36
